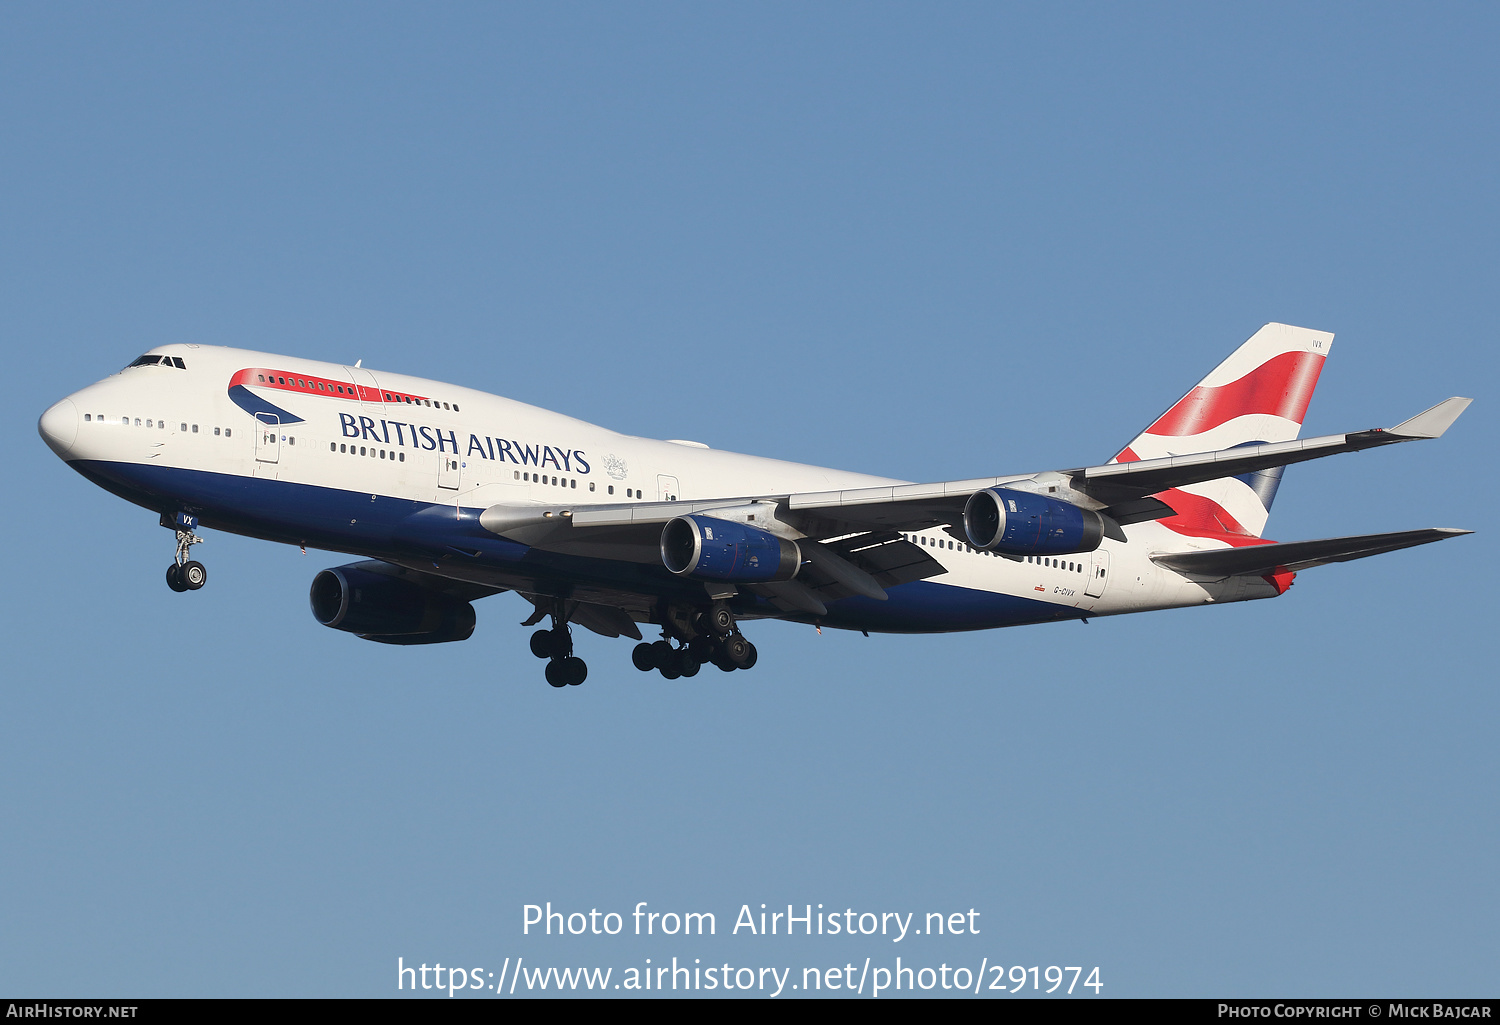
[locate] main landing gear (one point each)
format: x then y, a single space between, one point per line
564 669
185 574
717 641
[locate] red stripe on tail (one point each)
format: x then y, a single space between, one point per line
1282 385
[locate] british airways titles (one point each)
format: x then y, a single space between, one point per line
435 439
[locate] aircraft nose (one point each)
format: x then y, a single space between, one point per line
59 427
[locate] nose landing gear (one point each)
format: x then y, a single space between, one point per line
185 574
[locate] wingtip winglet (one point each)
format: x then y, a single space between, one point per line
1431 423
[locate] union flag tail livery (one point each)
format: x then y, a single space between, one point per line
450 495
1258 395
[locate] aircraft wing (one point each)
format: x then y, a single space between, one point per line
859 527
1298 555
1119 490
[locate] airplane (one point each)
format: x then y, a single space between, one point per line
448 494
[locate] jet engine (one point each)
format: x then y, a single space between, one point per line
1020 523
712 549
388 609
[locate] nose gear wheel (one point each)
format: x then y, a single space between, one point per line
186 574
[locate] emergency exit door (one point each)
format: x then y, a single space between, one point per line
1098 574
268 441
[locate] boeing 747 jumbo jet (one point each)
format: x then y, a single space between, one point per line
451 494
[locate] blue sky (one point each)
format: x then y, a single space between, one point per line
925 241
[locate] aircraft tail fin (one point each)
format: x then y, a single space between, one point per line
1258 395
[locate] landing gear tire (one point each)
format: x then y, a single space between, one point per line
721 620
661 654
687 664
750 661
552 643
567 672
738 652
193 575
184 574
644 657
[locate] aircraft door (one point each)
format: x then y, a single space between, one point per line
366 387
1098 574
268 441
450 468
666 488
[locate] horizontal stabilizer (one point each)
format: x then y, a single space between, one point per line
1256 560
1433 422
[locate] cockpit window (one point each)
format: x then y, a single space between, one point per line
150 360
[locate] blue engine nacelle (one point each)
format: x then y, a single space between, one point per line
388 609
1020 523
710 549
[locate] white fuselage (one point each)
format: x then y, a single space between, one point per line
169 437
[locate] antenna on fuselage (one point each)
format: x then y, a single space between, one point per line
358 362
